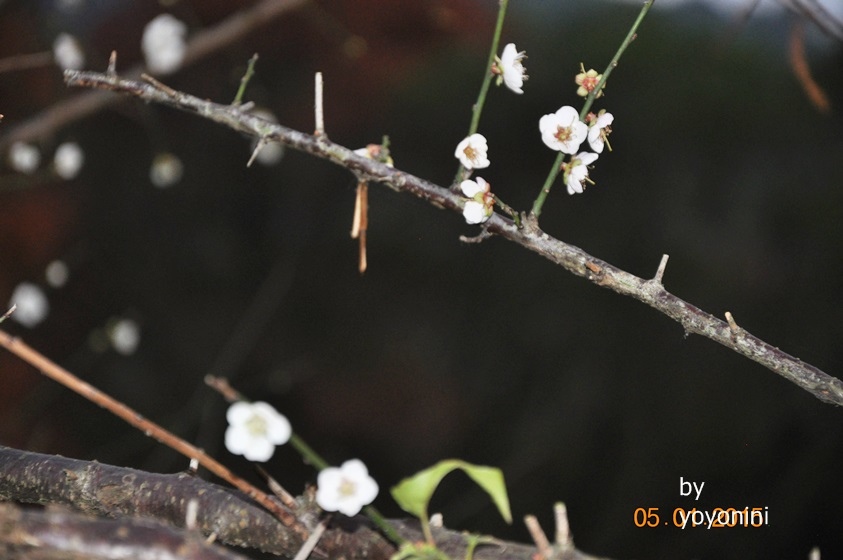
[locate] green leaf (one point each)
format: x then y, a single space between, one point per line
413 494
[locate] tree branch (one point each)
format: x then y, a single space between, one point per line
27 534
201 45
122 493
573 259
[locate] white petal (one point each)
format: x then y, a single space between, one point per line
259 450
470 188
474 212
238 413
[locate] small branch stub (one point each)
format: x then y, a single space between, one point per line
660 271
563 538
318 107
538 536
360 222
733 326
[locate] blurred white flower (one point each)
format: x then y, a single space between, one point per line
67 52
68 160
254 429
124 335
57 274
163 44
69 5
472 152
346 489
563 130
24 157
32 304
272 152
166 170
509 68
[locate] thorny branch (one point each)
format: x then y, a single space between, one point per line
573 259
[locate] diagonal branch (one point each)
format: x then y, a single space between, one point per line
573 259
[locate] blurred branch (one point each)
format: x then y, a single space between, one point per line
58 535
104 490
571 258
152 508
201 45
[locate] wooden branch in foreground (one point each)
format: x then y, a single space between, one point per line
139 499
573 259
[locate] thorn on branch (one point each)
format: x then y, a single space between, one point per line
360 222
660 271
538 536
312 541
733 326
14 306
318 108
111 71
563 538
167 90
258 147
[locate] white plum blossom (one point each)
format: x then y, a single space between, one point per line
124 335
472 152
576 171
24 157
68 160
598 130
57 273
163 44
68 53
509 68
346 489
32 304
478 208
166 170
254 429
563 130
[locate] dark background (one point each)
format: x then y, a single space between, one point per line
482 352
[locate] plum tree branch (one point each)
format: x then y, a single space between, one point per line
151 511
573 259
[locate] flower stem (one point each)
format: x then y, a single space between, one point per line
557 164
310 456
387 529
477 108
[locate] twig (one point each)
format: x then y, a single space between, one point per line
530 236
25 61
151 429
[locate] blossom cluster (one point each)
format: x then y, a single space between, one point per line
255 429
563 131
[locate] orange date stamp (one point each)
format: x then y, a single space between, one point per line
716 518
